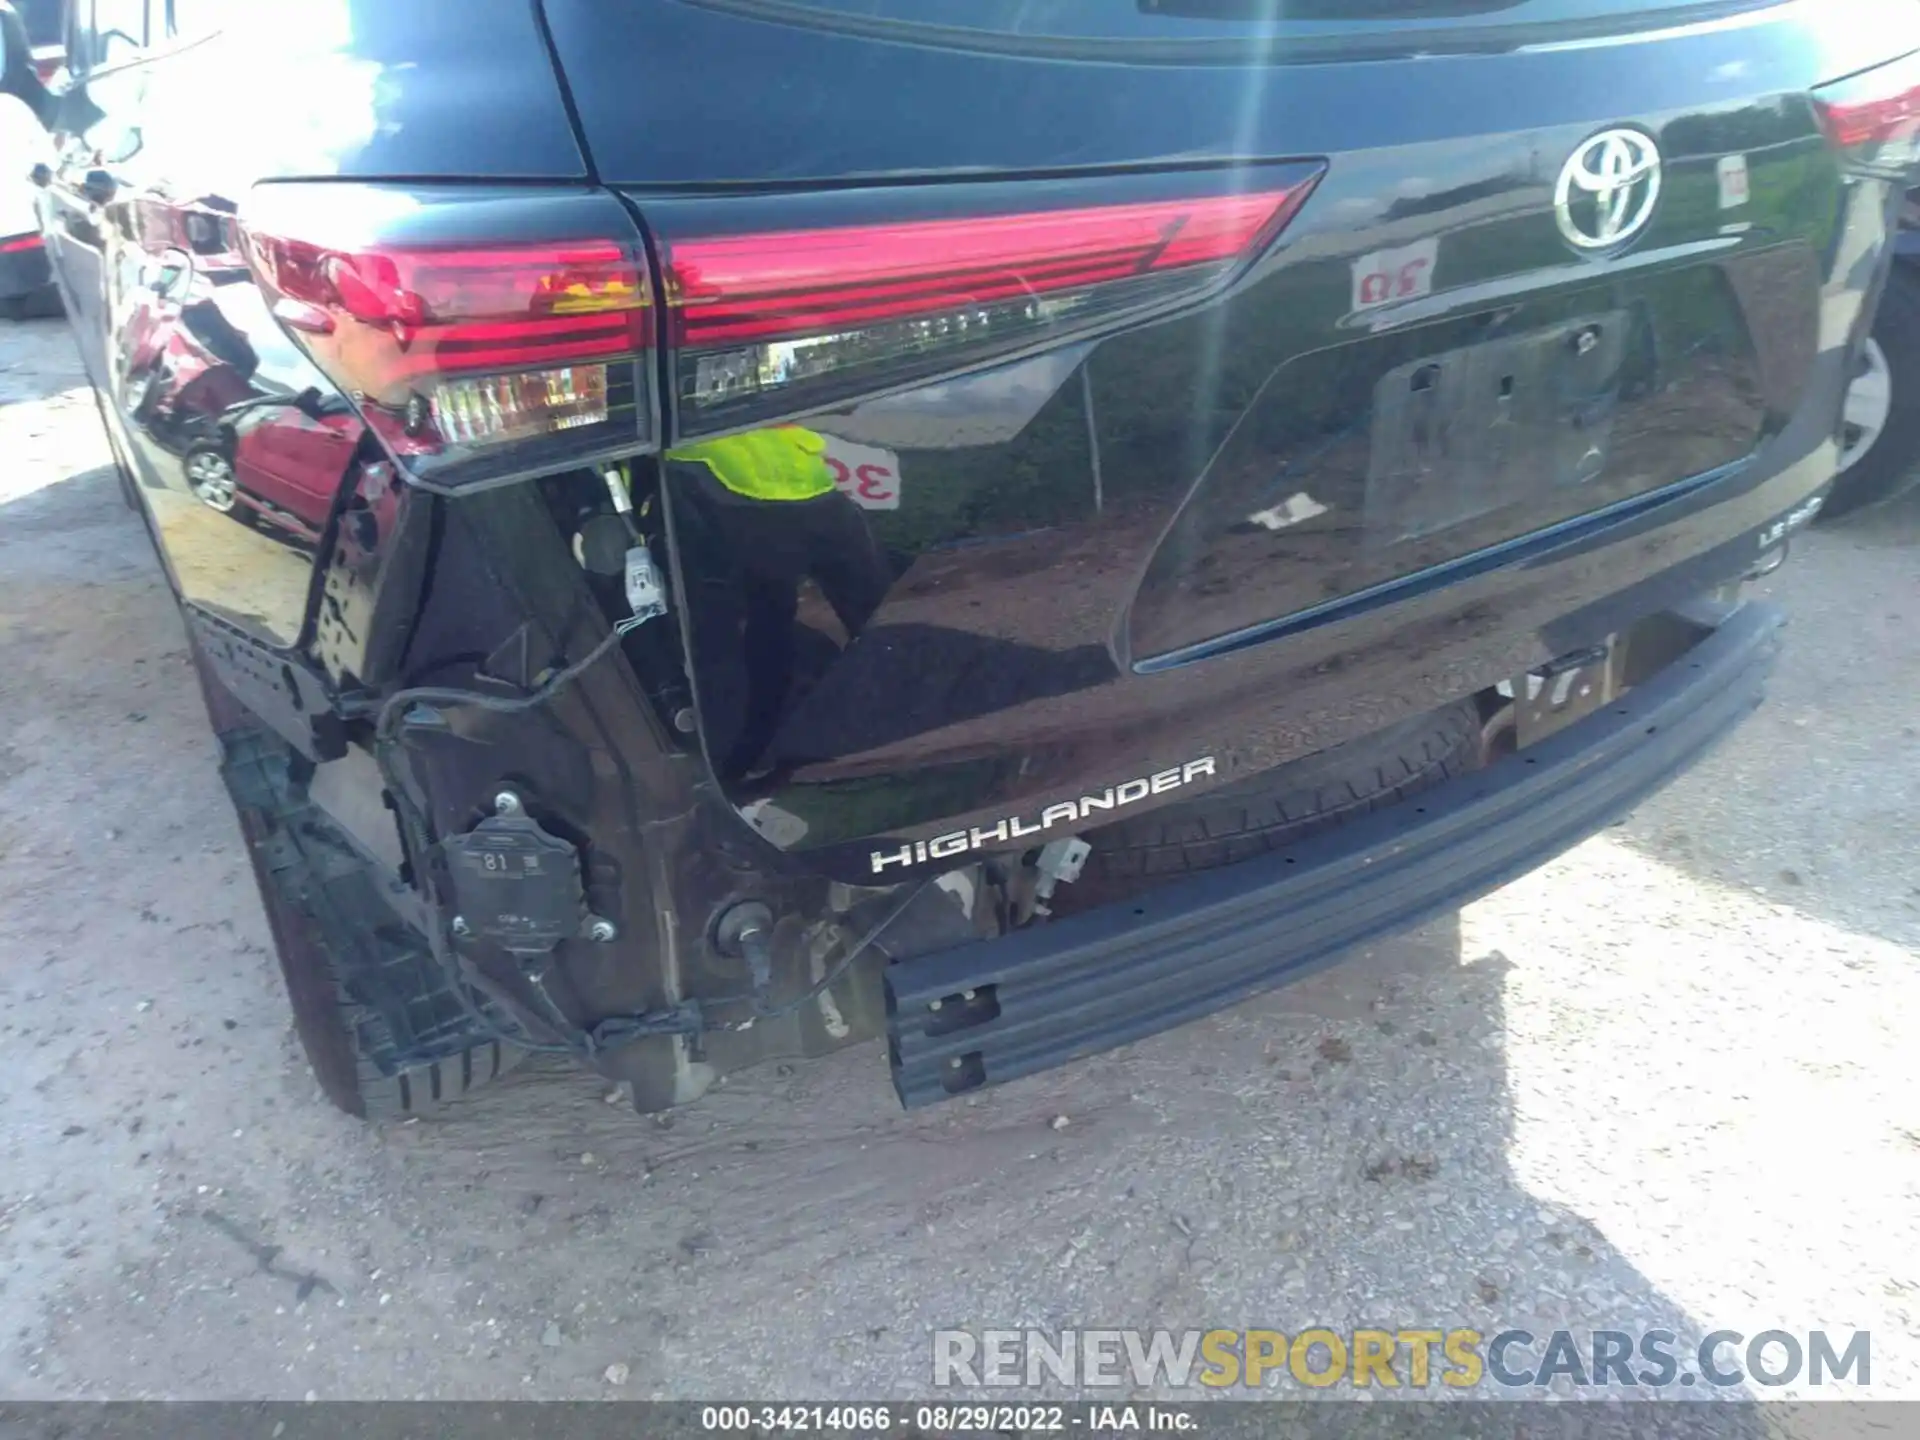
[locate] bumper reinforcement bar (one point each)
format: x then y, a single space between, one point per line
1043 996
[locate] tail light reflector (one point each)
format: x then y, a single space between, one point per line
472 361
776 321
1875 116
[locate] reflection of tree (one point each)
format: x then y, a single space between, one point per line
1439 201
1245 402
1042 477
897 681
1749 128
1688 394
1167 397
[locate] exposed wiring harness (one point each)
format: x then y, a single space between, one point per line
686 1018
618 1029
388 725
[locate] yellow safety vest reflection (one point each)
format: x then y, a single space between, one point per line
785 462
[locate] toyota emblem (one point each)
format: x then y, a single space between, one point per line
1608 189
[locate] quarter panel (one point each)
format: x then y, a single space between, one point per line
241 446
362 89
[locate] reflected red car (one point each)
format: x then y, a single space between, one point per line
278 462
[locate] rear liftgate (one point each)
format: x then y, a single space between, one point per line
585 896
523 357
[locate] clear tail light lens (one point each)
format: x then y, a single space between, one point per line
518 407
1875 117
473 359
776 321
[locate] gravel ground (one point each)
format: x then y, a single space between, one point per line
1670 1080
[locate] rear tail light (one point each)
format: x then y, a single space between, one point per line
1875 116
473 359
22 244
776 321
485 336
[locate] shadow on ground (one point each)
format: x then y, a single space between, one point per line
187 1219
1815 804
1333 1155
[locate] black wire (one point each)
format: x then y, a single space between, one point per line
471 661
386 745
386 725
492 990
684 1019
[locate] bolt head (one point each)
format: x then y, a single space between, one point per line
506 803
603 930
933 1004
967 994
460 926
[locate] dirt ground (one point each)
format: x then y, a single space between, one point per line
1671 1080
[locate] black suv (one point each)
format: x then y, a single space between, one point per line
715 529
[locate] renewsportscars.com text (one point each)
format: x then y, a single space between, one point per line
1416 1359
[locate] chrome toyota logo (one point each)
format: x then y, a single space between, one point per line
1608 190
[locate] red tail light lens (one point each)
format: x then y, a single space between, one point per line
21 244
777 321
1875 116
471 361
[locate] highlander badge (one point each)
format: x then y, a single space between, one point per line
1066 812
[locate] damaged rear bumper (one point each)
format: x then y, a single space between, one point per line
985 1013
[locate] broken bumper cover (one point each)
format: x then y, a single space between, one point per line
1047 995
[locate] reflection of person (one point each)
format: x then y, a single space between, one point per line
768 501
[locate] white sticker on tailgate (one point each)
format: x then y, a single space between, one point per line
865 474
1736 182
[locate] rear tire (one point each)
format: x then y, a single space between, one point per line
1281 806
42 304
1884 455
385 1035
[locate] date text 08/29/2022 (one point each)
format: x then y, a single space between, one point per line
853 1421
